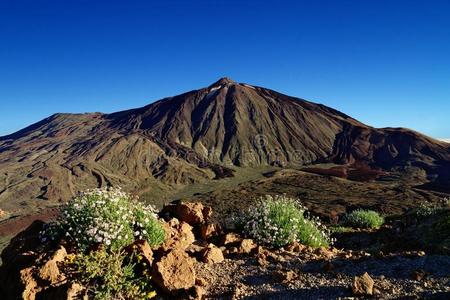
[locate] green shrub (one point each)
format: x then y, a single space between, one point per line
361 218
110 275
109 217
278 221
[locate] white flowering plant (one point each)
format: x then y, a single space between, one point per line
362 218
279 220
109 217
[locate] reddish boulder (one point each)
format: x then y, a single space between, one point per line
212 255
174 272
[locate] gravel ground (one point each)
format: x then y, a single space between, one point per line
241 277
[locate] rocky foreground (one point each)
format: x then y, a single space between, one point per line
200 260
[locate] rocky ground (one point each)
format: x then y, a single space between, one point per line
303 276
199 260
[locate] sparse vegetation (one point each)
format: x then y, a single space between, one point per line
426 209
110 275
109 217
362 218
278 221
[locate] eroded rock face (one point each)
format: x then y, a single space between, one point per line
174 272
363 285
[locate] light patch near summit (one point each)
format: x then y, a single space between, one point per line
249 86
215 88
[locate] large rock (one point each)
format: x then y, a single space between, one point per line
50 271
29 285
16 274
180 236
174 272
193 213
362 285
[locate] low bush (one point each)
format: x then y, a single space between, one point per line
110 275
361 218
278 221
106 216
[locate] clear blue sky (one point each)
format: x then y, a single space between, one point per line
386 63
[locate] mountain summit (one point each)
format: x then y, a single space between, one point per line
198 136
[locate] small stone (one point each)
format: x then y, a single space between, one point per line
324 253
231 238
419 275
363 285
262 260
295 247
212 255
283 276
247 246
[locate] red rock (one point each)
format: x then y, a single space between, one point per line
191 213
178 237
212 255
30 286
50 270
174 272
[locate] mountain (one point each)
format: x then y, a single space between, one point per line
197 137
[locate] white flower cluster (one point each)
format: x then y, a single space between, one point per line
107 216
279 220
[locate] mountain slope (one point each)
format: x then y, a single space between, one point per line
196 137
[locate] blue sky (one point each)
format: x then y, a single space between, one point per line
386 63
